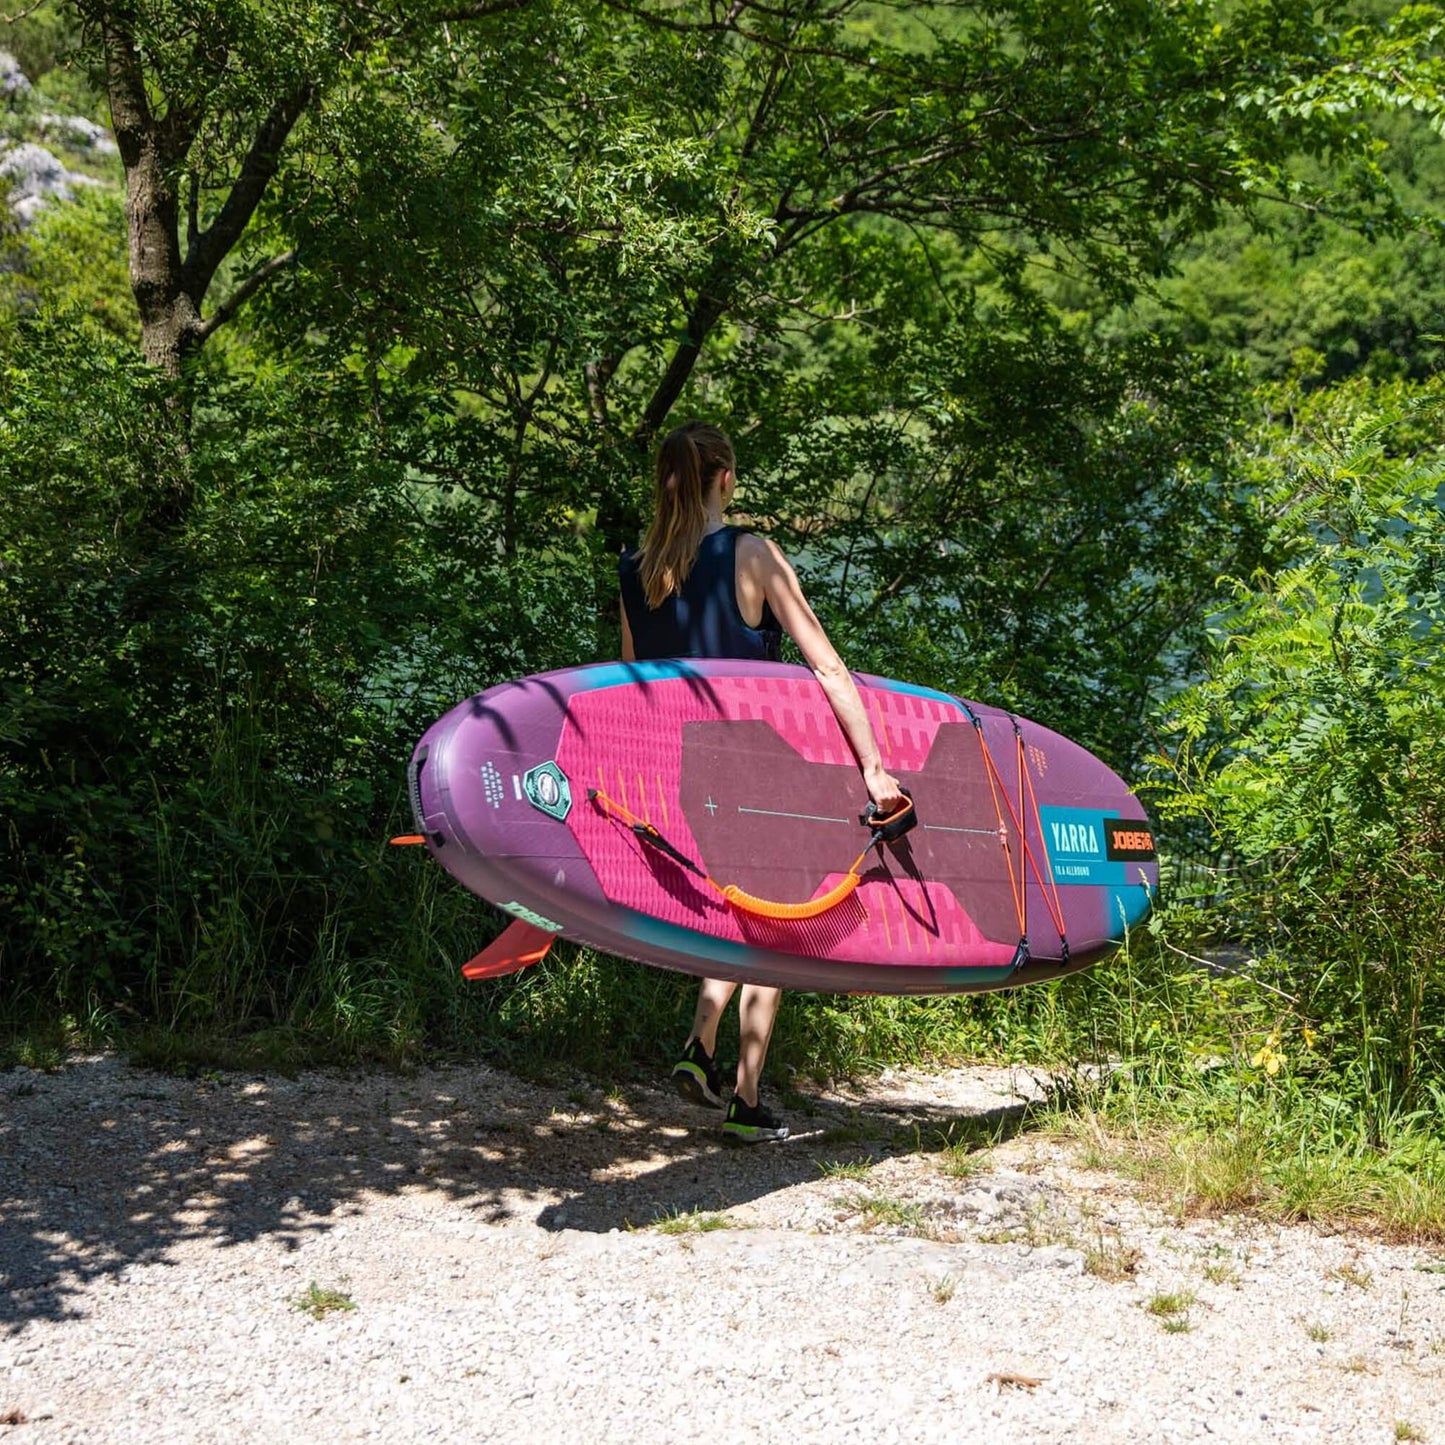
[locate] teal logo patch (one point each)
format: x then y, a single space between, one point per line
520 910
548 791
1076 842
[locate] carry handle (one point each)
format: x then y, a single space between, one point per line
900 821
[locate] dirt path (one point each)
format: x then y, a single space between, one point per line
549 1263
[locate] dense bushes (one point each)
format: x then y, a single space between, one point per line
1316 751
217 638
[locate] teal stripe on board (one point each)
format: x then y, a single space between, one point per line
619 674
656 932
976 975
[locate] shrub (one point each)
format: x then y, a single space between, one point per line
1314 748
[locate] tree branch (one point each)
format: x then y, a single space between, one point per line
597 374
729 26
243 293
481 10
706 311
130 111
215 243
193 210
26 13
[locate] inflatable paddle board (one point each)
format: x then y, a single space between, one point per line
704 816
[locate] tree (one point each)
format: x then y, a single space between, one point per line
482 255
204 98
560 233
1114 133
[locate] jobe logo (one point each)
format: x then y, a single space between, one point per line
1128 840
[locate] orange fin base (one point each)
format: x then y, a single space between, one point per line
519 946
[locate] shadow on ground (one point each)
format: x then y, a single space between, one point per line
103 1166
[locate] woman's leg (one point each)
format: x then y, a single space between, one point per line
712 999
757 1009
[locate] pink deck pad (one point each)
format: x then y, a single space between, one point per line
627 741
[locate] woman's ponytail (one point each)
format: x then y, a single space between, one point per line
687 461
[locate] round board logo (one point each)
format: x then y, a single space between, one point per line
548 791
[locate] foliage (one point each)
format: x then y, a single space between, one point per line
1294 292
41 38
1313 749
199 722
72 260
996 507
319 1301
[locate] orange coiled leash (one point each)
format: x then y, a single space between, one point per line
884 830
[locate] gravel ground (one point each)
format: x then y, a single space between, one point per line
551 1263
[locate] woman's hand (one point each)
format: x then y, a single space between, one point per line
884 789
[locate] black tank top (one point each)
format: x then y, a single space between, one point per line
705 621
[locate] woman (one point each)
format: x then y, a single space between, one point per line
698 588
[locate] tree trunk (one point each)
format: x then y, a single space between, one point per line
169 317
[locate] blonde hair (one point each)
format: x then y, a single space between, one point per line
687 461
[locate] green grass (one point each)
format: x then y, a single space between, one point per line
32 1040
694 1221
879 1210
854 1169
963 1147
1171 1309
1222 1142
318 1302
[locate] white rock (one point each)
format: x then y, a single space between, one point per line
77 131
12 78
36 177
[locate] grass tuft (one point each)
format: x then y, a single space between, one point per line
1351 1275
1171 1309
878 1210
1110 1259
694 1221
854 1169
318 1302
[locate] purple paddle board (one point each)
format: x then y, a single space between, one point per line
1030 859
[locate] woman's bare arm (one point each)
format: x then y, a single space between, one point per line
763 565
629 652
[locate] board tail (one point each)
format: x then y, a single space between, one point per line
519 946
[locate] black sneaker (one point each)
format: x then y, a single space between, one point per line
751 1124
696 1078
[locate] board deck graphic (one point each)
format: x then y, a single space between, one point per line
1030 858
